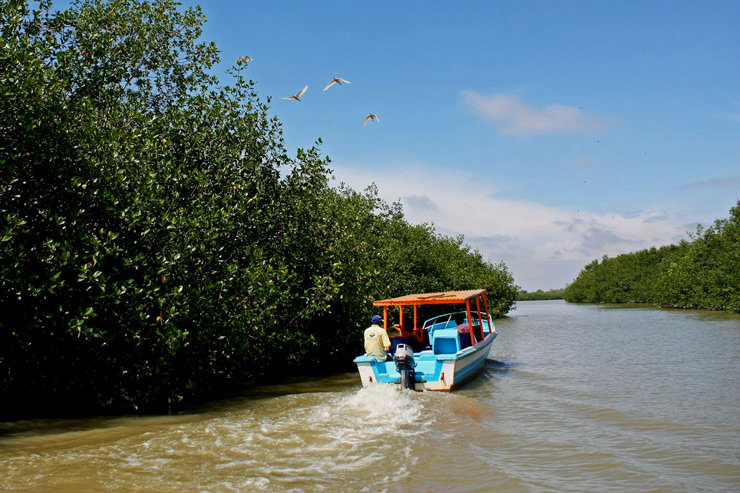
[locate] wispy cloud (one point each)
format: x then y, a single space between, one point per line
732 182
544 246
516 118
582 162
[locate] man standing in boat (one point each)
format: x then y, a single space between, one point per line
377 342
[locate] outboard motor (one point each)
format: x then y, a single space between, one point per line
405 365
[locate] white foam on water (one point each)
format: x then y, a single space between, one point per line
296 441
381 401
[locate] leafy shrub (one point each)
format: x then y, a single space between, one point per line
157 242
702 273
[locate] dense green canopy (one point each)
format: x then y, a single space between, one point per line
552 294
702 273
157 241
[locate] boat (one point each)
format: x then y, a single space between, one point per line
443 352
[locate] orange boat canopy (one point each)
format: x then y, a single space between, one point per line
443 298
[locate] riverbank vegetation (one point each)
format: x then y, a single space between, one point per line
157 242
552 294
701 273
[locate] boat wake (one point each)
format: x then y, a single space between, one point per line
379 402
329 441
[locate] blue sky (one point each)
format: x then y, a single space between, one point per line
548 133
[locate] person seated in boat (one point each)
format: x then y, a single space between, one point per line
377 342
395 330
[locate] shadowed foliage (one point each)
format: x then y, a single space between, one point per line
157 243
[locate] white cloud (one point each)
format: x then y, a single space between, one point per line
544 246
516 118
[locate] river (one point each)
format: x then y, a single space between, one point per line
574 398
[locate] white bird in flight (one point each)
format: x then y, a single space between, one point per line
371 116
336 80
244 59
297 97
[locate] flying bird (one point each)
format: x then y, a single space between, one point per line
371 116
336 80
244 59
297 97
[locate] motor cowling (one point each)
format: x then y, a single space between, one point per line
404 359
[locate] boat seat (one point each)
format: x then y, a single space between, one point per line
445 341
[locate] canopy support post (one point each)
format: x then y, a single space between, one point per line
480 317
470 322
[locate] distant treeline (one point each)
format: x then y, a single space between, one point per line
553 294
701 273
157 243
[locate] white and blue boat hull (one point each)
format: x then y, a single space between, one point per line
434 370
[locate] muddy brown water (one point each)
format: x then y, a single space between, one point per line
573 398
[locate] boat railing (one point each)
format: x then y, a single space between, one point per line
455 316
452 320
439 320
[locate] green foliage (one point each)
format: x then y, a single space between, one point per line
702 273
157 243
553 294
